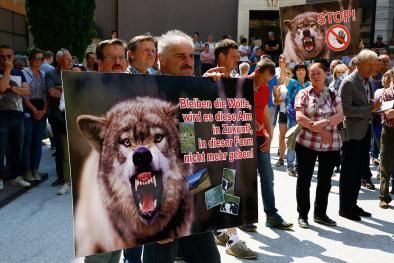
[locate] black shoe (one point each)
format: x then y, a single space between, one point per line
58 182
353 217
248 228
54 154
280 163
303 222
368 184
361 212
324 220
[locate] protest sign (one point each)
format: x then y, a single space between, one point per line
155 157
320 31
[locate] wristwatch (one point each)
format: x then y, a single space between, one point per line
328 122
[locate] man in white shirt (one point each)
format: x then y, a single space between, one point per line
244 52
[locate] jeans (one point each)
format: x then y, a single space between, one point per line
307 161
108 257
132 255
291 155
355 165
32 146
12 129
59 149
374 151
276 114
266 174
196 248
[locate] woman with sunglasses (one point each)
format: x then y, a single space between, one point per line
36 105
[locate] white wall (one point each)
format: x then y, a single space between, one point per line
384 19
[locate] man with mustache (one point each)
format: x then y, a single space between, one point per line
111 56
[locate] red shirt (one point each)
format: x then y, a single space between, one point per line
261 99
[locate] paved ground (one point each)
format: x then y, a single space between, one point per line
38 227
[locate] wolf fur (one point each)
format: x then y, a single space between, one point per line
106 216
302 26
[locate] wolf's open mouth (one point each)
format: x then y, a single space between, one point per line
309 44
147 189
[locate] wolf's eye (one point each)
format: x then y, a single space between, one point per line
299 27
313 25
126 142
158 137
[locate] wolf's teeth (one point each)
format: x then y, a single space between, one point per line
155 204
154 180
137 182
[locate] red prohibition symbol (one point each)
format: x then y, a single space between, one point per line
335 41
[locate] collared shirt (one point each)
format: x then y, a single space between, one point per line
338 81
387 95
46 67
366 86
133 70
151 70
307 99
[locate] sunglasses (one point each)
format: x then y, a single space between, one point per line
4 55
77 65
38 58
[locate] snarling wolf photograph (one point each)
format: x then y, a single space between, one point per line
140 178
305 39
131 183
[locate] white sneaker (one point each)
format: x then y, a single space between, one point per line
65 189
36 175
28 176
19 181
1 185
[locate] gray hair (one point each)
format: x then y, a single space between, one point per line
352 63
20 58
169 38
243 64
383 56
366 56
59 54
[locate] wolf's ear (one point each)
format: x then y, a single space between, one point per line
173 113
288 24
93 129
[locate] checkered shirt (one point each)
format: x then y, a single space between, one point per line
307 99
387 95
132 70
338 81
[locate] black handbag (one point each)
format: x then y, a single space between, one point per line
38 104
342 130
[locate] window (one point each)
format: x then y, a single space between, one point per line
13 31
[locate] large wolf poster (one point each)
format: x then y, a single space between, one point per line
129 175
320 31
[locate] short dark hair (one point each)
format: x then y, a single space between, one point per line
225 37
266 56
48 54
113 31
291 69
34 52
223 46
95 66
244 40
206 44
100 47
265 65
134 42
300 66
196 33
87 55
5 46
337 61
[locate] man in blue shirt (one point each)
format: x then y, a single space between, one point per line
379 45
13 86
48 59
254 58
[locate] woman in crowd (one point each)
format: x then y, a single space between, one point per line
207 58
293 85
338 71
319 137
36 106
78 67
280 99
386 82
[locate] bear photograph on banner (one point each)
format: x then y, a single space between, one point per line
155 157
321 30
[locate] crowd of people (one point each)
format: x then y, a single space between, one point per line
335 112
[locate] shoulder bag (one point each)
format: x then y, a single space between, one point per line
342 130
292 133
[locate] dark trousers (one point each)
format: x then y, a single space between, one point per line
12 129
354 166
53 121
195 248
386 161
205 67
132 255
306 165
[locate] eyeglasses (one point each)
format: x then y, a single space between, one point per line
38 58
112 57
8 55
